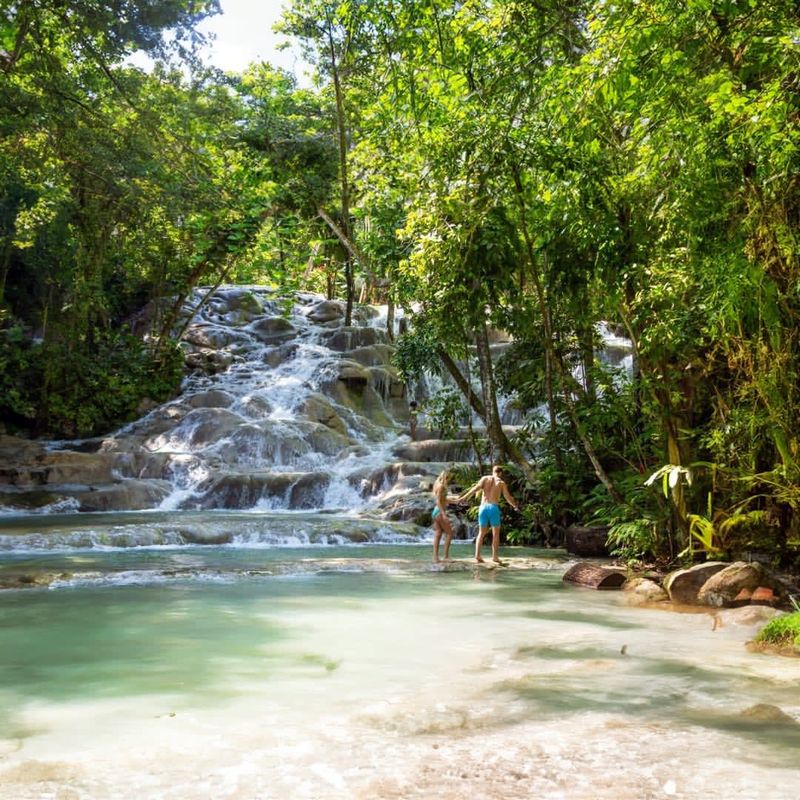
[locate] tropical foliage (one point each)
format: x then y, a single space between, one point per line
550 169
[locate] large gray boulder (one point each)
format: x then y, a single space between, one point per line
643 591
129 495
213 398
325 311
683 585
723 587
295 489
273 330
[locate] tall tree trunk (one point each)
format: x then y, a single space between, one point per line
494 429
341 127
390 319
586 338
548 341
503 443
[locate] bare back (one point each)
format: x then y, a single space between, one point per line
492 488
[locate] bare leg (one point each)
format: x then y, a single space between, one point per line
448 535
482 531
437 535
495 543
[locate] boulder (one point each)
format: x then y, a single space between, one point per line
14 449
214 398
317 408
289 489
325 311
439 450
683 585
595 576
255 406
765 712
643 591
353 375
214 337
344 339
376 355
209 361
722 588
199 428
273 330
308 491
237 306
278 355
129 495
587 540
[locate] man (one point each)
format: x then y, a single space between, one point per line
492 487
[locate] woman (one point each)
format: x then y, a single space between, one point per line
441 524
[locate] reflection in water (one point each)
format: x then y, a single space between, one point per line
369 683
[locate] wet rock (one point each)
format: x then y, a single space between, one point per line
440 450
308 491
643 591
353 375
344 339
273 330
255 443
214 398
683 585
16 500
146 405
242 490
141 464
326 311
317 408
325 440
30 580
278 355
363 314
209 361
371 356
237 306
129 495
199 428
765 712
722 588
211 336
14 449
297 490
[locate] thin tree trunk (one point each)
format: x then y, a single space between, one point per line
547 340
494 429
504 444
341 126
390 319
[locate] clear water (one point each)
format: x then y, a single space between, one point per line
364 672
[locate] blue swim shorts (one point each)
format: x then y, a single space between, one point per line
489 515
435 512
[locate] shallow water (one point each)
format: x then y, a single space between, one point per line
364 672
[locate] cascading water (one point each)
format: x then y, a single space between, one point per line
239 635
304 413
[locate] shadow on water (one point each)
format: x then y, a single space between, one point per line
663 690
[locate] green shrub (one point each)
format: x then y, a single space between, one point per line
783 630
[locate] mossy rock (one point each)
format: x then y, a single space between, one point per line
782 634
